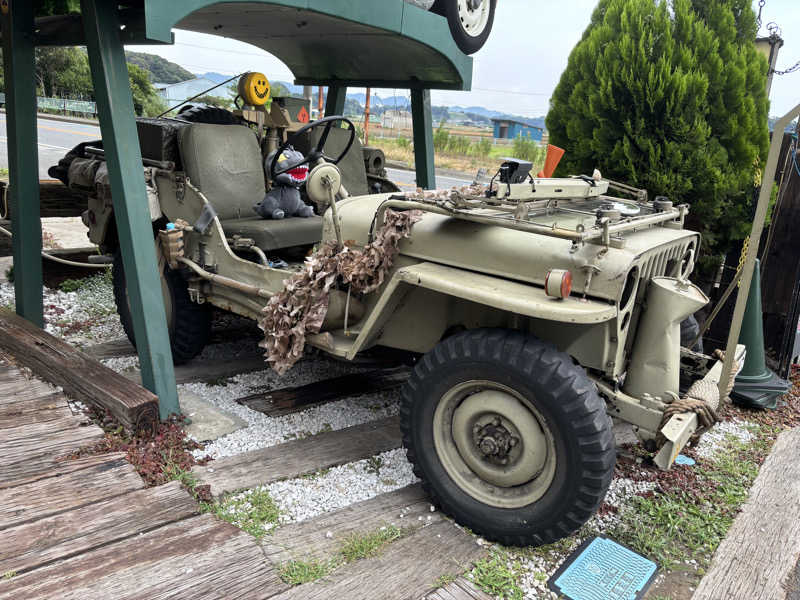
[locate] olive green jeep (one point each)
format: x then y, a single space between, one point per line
536 310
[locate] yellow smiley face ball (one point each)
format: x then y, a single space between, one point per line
254 89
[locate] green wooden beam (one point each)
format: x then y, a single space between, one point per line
23 162
121 143
334 103
422 123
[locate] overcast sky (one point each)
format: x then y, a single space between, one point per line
515 72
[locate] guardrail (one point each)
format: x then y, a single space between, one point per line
64 104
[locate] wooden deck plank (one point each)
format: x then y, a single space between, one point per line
82 377
309 540
21 389
762 546
22 459
408 568
298 457
46 408
39 431
67 534
54 495
460 589
62 466
195 559
327 390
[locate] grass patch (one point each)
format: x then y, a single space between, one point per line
298 572
9 574
683 524
253 511
367 545
497 575
72 285
445 580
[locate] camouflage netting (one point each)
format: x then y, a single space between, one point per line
301 307
455 197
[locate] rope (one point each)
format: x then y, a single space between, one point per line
702 398
62 261
706 416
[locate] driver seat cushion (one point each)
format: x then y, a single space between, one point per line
272 234
224 163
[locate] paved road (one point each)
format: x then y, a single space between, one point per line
57 137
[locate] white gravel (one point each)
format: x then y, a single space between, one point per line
716 437
264 431
122 364
85 316
305 498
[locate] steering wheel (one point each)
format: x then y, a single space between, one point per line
317 152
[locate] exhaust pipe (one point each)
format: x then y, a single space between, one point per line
655 362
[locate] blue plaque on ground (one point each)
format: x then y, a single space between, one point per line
602 569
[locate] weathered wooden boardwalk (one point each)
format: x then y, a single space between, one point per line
89 528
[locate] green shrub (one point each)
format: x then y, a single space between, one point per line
527 149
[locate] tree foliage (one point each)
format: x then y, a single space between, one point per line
64 73
670 96
145 100
160 69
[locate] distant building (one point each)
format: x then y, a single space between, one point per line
512 129
397 119
174 93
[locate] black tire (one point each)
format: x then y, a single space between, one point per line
689 330
191 324
208 114
564 396
467 43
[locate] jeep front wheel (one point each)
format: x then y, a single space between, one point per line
508 435
188 323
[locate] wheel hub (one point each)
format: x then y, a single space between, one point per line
494 441
499 439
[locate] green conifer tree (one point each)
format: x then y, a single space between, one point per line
669 96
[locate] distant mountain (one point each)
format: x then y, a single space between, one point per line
160 69
476 110
401 102
215 77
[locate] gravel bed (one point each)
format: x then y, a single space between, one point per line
122 364
264 431
83 317
715 436
304 498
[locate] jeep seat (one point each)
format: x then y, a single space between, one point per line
224 163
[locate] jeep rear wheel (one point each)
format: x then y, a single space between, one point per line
470 21
508 435
188 323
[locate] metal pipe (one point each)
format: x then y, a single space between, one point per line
224 281
575 236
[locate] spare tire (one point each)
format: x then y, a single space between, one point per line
213 115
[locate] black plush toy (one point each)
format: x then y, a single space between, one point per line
284 200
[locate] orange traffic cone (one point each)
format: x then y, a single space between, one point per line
554 156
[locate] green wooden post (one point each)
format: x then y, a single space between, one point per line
422 122
23 162
334 103
121 143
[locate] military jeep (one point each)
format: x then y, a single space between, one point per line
537 310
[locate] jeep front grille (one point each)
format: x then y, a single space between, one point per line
662 261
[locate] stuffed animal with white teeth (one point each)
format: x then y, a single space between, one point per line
284 200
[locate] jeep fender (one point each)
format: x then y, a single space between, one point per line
493 292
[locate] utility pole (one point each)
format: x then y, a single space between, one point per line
366 119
